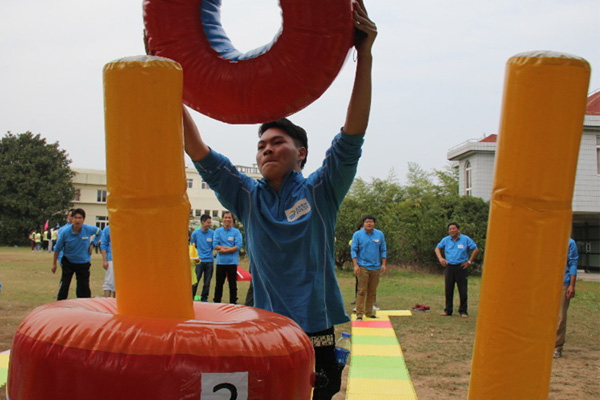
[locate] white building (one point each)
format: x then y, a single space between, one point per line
91 194
475 160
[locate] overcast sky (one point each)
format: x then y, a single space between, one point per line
437 80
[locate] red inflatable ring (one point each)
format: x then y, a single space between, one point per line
264 84
80 349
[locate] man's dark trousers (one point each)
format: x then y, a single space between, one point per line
454 273
206 269
228 271
82 274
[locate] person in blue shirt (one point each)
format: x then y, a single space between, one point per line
107 263
289 220
75 242
456 261
568 292
202 239
369 256
227 242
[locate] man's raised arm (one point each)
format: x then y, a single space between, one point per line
357 117
194 145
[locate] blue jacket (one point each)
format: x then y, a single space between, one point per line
105 243
457 252
368 249
290 233
572 257
76 246
228 238
204 244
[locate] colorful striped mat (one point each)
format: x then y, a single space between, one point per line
377 368
4 367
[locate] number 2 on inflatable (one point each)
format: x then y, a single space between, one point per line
264 84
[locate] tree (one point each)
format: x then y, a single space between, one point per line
35 185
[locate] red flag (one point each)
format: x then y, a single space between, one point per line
46 225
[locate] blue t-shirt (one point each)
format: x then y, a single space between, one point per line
229 238
204 244
105 243
76 246
290 233
457 251
368 249
572 257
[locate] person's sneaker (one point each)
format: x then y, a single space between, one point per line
463 315
372 316
557 353
359 318
445 314
353 303
375 308
354 310
197 298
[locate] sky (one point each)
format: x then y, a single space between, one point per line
438 72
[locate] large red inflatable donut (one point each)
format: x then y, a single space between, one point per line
80 349
265 84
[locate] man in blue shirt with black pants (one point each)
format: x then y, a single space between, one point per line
74 241
227 242
369 256
456 262
202 239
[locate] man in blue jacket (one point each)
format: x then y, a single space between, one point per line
456 261
227 242
568 292
369 256
290 220
75 242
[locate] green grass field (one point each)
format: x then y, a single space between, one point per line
437 349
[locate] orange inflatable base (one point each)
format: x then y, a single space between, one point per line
80 349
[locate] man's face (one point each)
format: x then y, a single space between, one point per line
77 220
206 224
278 154
453 231
227 221
368 224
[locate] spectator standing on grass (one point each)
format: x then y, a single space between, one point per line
38 241
456 261
202 240
107 263
227 242
74 241
369 257
568 292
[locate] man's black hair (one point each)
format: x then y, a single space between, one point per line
204 217
368 216
78 211
455 224
297 133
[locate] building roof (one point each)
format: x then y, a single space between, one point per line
593 103
493 138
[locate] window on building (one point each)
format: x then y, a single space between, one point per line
77 195
206 212
468 179
598 154
198 213
204 185
101 221
190 183
101 197
215 213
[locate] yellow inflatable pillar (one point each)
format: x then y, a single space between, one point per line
530 221
147 201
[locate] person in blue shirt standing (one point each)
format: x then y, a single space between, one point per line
202 239
369 256
456 261
568 292
74 241
107 263
289 219
227 242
